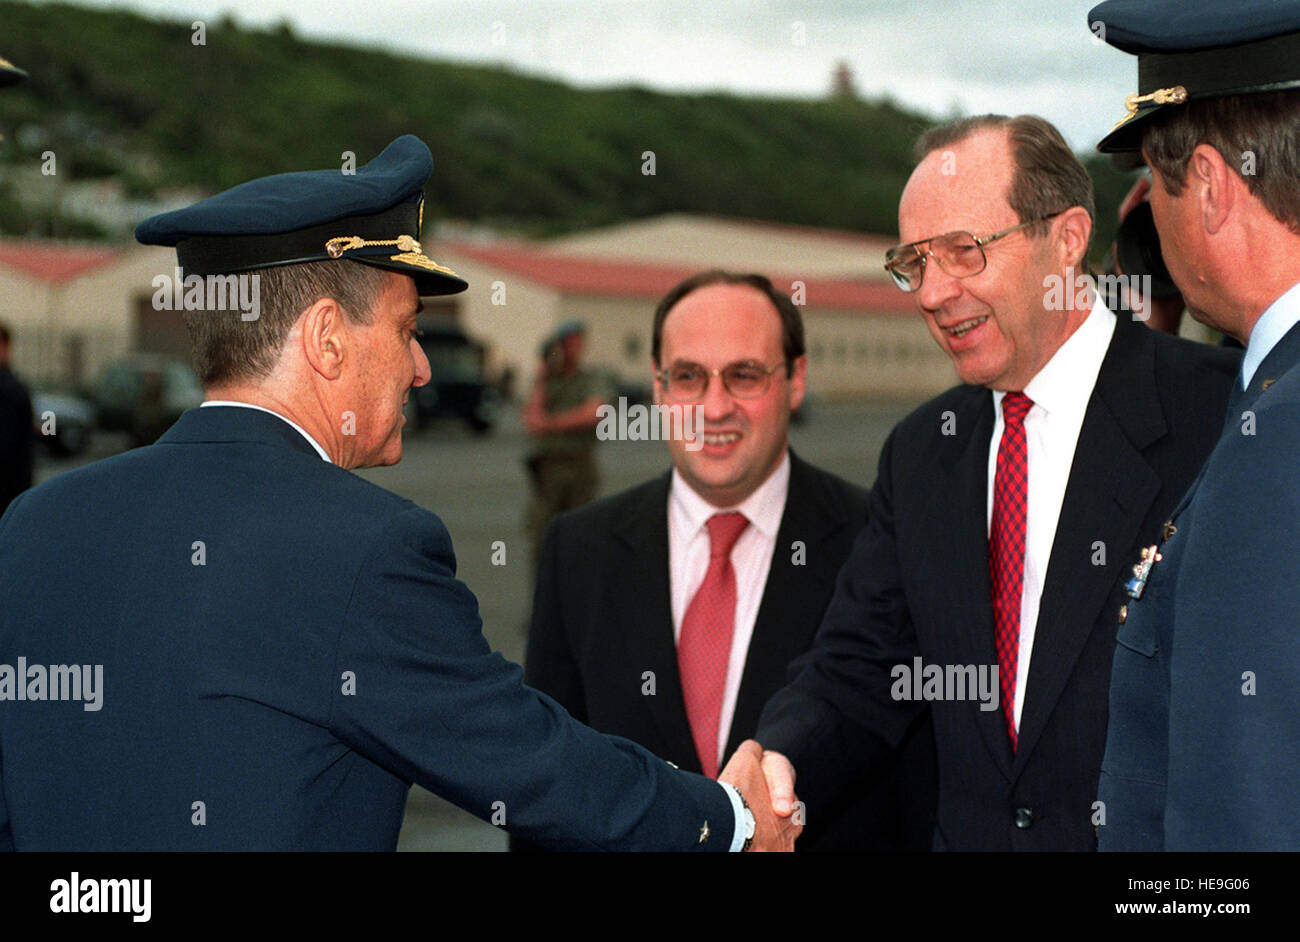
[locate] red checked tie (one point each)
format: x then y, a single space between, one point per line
1007 547
704 646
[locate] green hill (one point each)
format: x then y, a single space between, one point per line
114 93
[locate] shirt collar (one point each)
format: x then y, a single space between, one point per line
248 405
1274 324
763 508
1065 382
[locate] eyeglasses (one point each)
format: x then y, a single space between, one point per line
960 254
687 382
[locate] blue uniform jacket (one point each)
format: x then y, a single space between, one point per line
284 649
1203 747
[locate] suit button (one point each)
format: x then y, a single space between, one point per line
1024 818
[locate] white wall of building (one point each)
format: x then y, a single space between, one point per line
739 245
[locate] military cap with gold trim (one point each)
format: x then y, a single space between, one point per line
372 216
1191 49
10 74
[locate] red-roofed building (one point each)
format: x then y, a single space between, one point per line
53 262
71 306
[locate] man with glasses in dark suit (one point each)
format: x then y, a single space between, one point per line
668 613
1004 512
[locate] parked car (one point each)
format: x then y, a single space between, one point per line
70 418
458 387
142 394
633 391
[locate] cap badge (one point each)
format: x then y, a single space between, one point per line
410 251
1161 96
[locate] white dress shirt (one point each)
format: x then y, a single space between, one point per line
248 405
751 558
1060 392
1272 326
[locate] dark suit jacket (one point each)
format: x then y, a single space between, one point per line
602 618
16 437
1203 751
917 585
321 658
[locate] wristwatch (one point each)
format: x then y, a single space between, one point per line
750 826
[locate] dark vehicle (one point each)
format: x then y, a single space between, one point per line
457 387
635 393
142 394
62 422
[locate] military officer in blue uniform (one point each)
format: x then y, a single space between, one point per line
227 641
1203 744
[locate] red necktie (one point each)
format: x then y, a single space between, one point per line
1007 547
704 646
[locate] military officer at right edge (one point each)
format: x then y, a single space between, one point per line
1203 743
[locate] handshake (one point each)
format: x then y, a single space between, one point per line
766 779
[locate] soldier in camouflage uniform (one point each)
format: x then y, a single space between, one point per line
561 416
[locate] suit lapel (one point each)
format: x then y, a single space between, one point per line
1110 490
781 629
647 619
957 518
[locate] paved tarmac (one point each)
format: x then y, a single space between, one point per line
477 485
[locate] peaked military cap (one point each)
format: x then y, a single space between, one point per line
1191 49
372 215
10 74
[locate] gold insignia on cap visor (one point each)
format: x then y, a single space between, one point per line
1161 96
411 252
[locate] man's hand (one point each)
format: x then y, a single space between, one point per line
766 779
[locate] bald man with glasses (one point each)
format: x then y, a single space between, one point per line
1005 513
669 613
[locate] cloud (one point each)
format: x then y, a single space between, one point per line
1011 56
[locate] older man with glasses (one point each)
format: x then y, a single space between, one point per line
986 585
669 613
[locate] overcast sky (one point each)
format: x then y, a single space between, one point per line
1009 56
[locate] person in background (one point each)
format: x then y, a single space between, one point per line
637 628
16 428
560 415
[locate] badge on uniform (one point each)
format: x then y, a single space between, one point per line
1142 571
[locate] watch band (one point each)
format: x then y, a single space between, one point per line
750 825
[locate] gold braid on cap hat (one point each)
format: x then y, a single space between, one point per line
411 252
1161 96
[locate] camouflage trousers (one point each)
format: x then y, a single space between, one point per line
560 482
